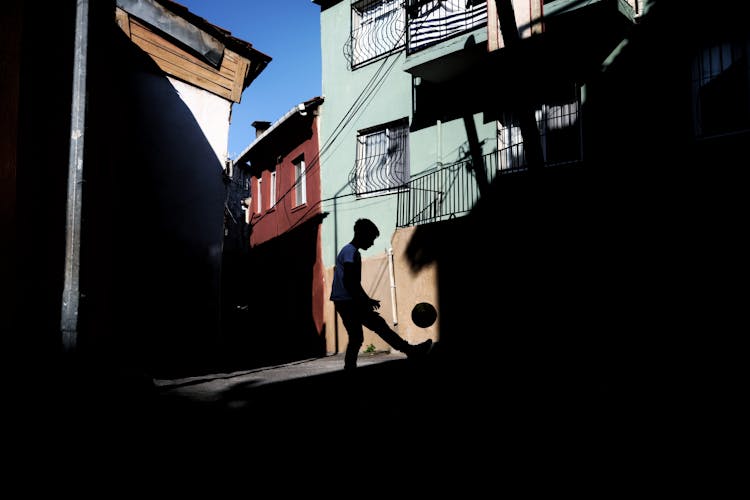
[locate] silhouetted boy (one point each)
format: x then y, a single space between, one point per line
353 304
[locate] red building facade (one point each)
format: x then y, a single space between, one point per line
283 213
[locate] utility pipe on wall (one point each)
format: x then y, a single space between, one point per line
71 288
439 131
393 286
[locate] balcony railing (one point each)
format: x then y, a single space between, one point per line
453 190
442 194
432 21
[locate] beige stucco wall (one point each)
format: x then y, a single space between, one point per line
409 289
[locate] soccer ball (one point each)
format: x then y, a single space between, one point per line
424 314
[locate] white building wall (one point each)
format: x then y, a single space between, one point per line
212 114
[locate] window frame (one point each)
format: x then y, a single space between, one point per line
510 146
709 64
259 199
300 182
375 25
397 130
272 190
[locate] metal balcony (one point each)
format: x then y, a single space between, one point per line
442 194
433 21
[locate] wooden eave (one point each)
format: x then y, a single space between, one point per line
239 64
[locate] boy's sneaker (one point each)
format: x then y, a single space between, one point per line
419 350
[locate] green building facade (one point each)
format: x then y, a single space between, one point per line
371 144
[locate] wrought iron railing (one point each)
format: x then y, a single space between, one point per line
432 21
377 30
442 194
452 191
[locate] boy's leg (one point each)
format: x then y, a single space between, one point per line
356 338
353 326
375 322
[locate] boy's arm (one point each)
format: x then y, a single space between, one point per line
353 285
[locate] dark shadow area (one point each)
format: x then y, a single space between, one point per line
268 315
588 334
44 110
585 300
528 321
154 212
260 417
152 217
420 415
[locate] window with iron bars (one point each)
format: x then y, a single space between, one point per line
559 127
377 29
382 159
721 88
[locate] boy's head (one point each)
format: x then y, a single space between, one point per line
365 232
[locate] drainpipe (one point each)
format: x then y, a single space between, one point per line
394 308
71 286
439 129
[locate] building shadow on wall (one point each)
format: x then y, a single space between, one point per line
269 313
153 214
541 341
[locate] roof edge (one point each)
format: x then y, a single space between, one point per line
300 108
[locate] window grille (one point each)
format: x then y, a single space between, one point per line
559 126
382 159
721 89
377 30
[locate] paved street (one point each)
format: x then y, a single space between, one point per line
396 418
